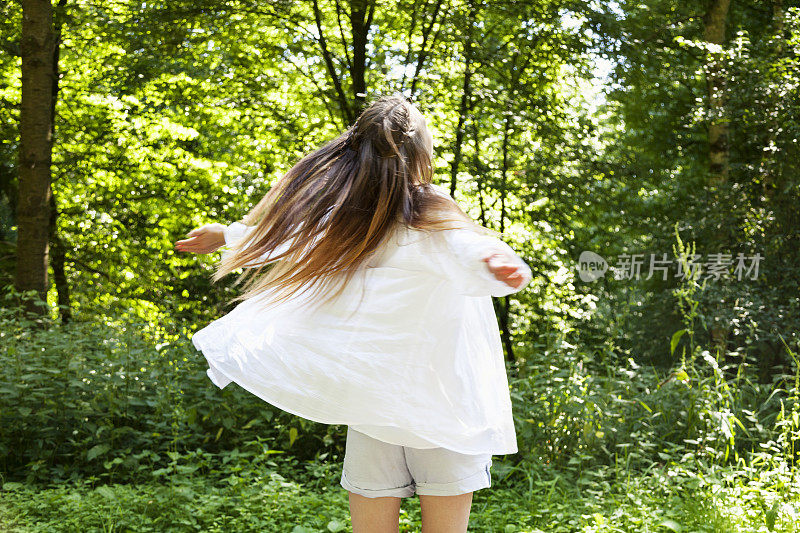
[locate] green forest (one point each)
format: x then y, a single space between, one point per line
641 156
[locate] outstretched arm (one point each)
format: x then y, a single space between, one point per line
203 240
508 269
209 238
478 264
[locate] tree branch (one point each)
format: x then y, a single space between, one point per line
423 54
326 55
341 34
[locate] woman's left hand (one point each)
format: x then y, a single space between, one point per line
504 270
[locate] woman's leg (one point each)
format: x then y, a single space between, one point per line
374 515
445 514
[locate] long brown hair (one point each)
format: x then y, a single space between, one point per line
338 204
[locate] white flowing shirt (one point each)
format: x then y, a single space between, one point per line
409 353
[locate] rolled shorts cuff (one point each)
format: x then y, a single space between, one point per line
479 480
396 492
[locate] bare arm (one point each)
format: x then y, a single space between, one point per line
203 240
505 269
207 239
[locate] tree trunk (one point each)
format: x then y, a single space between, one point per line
478 169
59 271
505 310
767 168
37 44
718 149
8 188
465 105
361 12
59 252
715 26
360 15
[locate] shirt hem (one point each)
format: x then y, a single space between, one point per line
217 372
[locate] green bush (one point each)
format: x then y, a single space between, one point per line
118 400
577 408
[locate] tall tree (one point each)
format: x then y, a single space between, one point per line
35 152
59 255
767 165
466 98
361 13
714 31
715 24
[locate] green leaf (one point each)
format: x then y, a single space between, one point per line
97 451
334 526
676 338
292 435
106 492
772 515
672 525
250 424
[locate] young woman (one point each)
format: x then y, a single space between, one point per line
367 303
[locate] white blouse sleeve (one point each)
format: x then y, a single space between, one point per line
238 231
458 256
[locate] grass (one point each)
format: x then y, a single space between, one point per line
608 448
669 499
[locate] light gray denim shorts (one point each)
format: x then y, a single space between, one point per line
375 469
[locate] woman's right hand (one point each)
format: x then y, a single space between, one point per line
203 240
